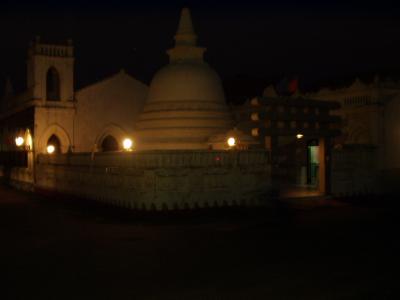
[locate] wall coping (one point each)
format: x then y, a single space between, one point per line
160 159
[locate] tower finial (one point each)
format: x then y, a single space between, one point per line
185 41
185 34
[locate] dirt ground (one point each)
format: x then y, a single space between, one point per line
54 247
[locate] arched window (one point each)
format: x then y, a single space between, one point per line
55 142
53 85
109 143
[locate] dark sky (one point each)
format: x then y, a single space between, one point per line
250 43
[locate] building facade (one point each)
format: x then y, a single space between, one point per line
172 145
71 120
298 132
370 114
184 141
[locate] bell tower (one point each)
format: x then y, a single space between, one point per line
51 72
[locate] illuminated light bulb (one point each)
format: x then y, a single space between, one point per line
231 142
50 149
127 144
19 141
299 136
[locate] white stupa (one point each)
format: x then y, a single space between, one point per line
186 103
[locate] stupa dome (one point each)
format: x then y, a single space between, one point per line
186 82
186 103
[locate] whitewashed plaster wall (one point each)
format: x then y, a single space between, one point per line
42 57
111 107
53 120
362 122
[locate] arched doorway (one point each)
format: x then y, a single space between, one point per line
53 85
60 133
109 144
55 142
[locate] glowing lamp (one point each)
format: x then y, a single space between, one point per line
50 149
127 144
231 142
19 141
299 136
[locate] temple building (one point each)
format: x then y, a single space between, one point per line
170 145
177 144
74 121
184 107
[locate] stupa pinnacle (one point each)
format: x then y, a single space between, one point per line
185 34
185 41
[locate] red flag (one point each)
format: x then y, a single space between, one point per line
293 85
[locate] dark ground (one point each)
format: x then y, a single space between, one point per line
67 249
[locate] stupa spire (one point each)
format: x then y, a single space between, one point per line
186 48
185 34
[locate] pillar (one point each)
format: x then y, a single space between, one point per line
324 169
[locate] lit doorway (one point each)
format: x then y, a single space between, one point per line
312 163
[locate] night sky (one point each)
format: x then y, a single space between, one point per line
250 43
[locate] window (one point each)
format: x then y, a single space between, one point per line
255 132
254 117
53 85
281 124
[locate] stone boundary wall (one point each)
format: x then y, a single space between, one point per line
18 177
160 179
355 171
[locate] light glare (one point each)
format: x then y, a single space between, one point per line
127 144
299 136
19 141
50 149
231 142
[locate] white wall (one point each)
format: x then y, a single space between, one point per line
53 120
40 59
111 107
